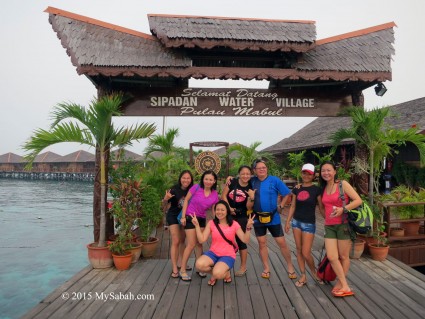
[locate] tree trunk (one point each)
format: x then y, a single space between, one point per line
360 181
97 199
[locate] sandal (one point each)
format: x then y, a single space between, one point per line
188 268
265 274
212 282
184 276
228 280
300 283
342 293
175 275
201 274
292 275
240 273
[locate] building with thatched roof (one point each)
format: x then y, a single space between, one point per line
315 135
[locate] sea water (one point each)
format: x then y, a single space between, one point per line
44 228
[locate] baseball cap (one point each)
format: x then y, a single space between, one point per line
308 168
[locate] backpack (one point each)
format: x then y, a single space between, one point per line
325 271
359 219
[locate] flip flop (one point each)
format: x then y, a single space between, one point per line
292 275
188 268
184 276
227 280
300 283
334 290
212 282
201 274
175 275
240 273
342 293
265 274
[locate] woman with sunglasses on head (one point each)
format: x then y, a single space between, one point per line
302 218
240 197
200 198
337 234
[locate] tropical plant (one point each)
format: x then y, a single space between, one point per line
405 194
246 155
296 161
120 246
151 212
96 130
370 133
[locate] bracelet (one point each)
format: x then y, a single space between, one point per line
249 228
251 199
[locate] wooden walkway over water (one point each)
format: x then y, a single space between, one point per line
386 289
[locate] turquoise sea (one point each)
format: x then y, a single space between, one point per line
44 227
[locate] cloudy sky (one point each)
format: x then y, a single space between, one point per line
36 72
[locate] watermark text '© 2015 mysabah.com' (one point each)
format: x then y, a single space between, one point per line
105 296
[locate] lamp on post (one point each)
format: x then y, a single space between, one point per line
380 89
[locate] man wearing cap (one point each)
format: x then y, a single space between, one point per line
267 190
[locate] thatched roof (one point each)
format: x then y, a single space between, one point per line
47 157
99 48
80 156
120 155
316 134
235 33
11 158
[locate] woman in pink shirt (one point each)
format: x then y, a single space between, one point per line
221 257
337 234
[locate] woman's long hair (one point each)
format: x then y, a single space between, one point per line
229 218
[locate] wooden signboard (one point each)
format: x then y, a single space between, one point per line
236 102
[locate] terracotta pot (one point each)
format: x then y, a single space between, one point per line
378 253
149 247
359 245
410 228
397 232
136 251
369 240
122 262
99 257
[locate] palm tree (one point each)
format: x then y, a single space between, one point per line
370 133
97 130
246 155
164 143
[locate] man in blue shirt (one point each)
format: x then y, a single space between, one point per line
267 190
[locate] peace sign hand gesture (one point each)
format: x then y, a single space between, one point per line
250 221
195 221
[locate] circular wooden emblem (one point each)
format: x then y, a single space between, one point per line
207 161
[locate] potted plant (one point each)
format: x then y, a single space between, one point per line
126 210
150 218
405 194
120 252
92 126
379 249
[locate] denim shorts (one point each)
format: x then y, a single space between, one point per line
305 227
229 261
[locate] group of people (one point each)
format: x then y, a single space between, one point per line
254 201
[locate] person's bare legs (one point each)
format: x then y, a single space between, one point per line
285 253
264 253
333 249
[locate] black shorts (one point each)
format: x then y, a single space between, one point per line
171 218
275 230
242 220
202 222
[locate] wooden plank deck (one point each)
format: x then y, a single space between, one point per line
388 289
